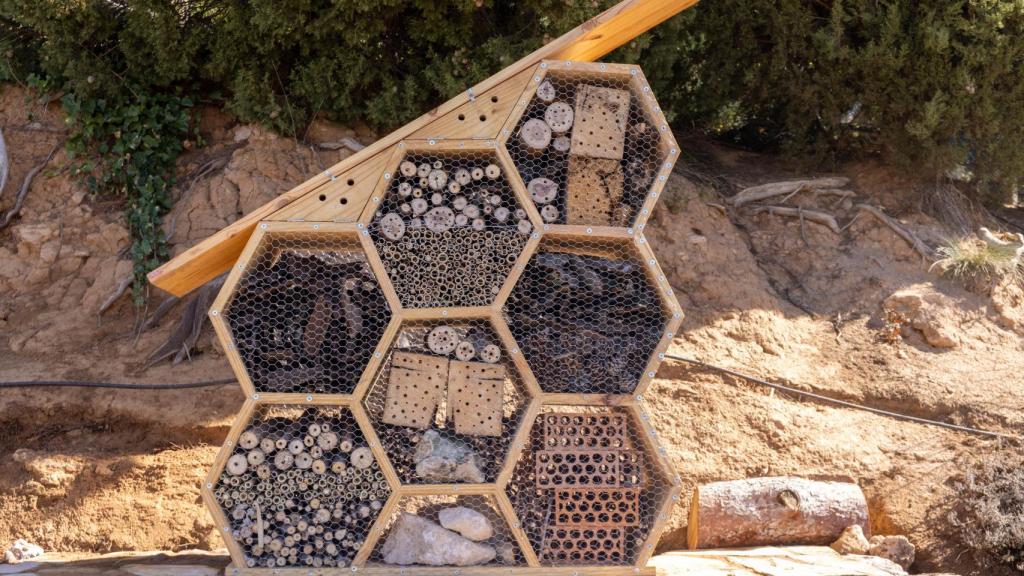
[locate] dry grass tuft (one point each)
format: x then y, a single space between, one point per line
970 258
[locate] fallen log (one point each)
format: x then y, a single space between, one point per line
810 215
773 511
763 191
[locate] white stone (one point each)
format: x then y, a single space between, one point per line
415 540
466 521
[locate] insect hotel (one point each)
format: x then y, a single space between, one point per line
444 342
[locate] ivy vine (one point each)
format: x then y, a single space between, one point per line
127 148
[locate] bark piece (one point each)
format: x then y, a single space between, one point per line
773 511
415 386
475 392
593 191
599 130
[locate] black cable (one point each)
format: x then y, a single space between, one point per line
844 403
116 385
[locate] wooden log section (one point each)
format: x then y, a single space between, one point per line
773 511
587 42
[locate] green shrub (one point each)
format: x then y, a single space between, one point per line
935 85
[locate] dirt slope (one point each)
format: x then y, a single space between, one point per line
101 470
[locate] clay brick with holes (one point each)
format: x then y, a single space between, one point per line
556 468
475 391
565 430
586 545
415 389
606 507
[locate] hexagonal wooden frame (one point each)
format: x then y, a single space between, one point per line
264 231
640 89
658 283
352 219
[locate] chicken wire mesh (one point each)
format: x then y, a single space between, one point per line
586 315
449 228
446 402
447 530
586 489
587 148
301 487
307 313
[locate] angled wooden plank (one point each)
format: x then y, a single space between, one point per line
480 118
340 199
591 40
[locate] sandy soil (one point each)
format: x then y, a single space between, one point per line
101 470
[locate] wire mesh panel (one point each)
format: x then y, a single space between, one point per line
301 487
586 315
446 402
586 489
588 147
449 228
447 531
307 313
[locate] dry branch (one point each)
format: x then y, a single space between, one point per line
3 163
809 215
763 191
119 290
23 191
916 243
773 511
350 143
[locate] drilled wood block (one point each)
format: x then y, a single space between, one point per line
600 127
582 430
475 393
415 387
597 507
583 545
593 191
558 468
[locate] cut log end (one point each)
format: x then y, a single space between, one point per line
773 511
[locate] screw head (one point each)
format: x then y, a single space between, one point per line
309 398
255 396
263 226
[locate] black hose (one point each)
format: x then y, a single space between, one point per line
843 403
115 385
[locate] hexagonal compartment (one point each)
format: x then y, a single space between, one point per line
307 312
466 530
446 402
589 488
589 315
300 488
591 144
448 225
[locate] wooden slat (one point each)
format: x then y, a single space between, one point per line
589 41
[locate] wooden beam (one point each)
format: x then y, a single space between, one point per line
589 41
